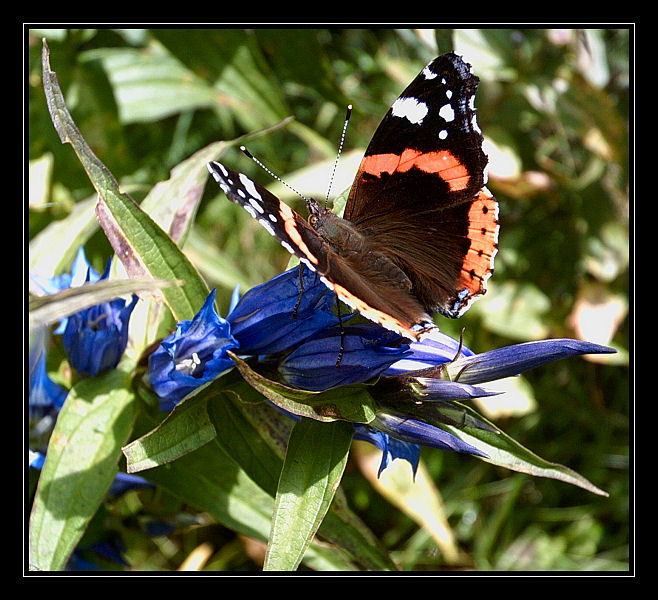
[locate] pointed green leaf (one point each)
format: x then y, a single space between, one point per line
81 463
185 429
47 309
150 84
315 460
142 246
504 451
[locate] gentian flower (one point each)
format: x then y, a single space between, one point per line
415 403
416 393
275 316
96 337
81 272
415 431
363 352
267 320
191 356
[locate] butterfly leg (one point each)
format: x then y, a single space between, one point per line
301 291
341 350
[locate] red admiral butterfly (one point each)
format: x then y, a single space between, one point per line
420 230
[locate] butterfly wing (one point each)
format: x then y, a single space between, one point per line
419 192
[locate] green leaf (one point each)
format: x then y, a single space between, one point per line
172 204
67 235
45 310
504 451
348 402
149 84
185 429
246 433
315 460
81 463
210 480
143 247
255 435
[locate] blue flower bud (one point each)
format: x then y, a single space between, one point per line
412 430
96 337
513 360
367 350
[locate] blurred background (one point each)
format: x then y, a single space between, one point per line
554 108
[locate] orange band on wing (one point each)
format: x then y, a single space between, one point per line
369 312
445 164
483 236
291 229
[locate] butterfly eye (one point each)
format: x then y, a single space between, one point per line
313 220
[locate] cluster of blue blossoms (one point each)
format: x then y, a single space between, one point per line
303 336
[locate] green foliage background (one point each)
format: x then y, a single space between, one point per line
553 104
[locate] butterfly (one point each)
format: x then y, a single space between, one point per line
420 229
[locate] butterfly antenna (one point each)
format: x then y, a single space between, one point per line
272 174
340 149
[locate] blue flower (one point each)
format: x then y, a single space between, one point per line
435 349
362 351
95 338
415 384
45 396
194 354
276 315
515 359
390 446
415 431
81 272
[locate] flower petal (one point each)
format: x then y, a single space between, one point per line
275 316
95 338
391 447
432 351
367 350
428 389
195 353
512 360
413 430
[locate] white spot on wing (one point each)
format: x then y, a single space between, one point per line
250 186
428 73
266 225
307 263
447 113
256 205
250 210
410 109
